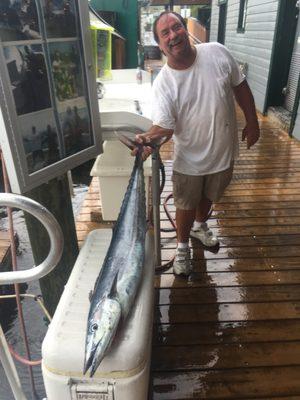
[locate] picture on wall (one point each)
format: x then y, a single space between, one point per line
60 18
76 127
67 71
40 140
19 20
28 78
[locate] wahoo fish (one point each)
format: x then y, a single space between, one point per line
119 278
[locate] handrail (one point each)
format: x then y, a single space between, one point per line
54 232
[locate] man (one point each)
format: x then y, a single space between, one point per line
193 101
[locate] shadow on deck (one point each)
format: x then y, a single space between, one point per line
232 329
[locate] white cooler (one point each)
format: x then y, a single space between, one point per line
113 169
124 372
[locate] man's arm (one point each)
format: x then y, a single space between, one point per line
245 100
155 134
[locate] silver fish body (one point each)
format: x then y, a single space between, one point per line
119 278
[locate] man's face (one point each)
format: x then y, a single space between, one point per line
173 37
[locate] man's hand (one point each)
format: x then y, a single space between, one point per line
142 139
151 139
251 133
244 97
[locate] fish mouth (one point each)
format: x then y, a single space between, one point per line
94 359
89 360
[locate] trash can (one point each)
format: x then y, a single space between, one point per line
113 168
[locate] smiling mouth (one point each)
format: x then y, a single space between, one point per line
174 44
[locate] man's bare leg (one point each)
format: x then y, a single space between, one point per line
202 210
184 222
182 263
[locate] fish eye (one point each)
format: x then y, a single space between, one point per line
94 327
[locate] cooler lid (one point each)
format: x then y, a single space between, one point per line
64 344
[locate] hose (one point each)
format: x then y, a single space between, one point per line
17 356
169 263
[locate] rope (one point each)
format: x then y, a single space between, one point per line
16 286
38 299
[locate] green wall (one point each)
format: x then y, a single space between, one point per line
127 24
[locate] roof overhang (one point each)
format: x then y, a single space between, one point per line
99 23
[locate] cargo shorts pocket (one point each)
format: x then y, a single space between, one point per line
179 183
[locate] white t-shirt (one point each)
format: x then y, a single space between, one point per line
198 104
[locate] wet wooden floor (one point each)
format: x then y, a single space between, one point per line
232 329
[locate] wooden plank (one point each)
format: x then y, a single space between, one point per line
261 221
245 241
253 278
199 253
217 295
202 333
253 213
224 205
244 264
245 383
225 356
227 312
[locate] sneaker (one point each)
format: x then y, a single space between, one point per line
205 235
182 263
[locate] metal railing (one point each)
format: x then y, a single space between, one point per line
54 232
14 277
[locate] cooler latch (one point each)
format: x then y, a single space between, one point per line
85 391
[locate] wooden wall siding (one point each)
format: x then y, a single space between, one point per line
232 329
254 46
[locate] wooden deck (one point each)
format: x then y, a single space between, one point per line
5 254
232 329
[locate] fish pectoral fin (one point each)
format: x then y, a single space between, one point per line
114 291
91 292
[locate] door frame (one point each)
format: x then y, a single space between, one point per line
283 44
222 21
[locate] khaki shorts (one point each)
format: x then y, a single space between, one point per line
189 190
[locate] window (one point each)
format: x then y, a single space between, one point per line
242 16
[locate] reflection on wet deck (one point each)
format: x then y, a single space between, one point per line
232 329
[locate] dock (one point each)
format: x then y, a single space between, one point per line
4 245
232 329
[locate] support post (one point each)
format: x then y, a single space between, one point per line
156 206
55 196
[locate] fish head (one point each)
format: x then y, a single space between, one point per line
102 326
